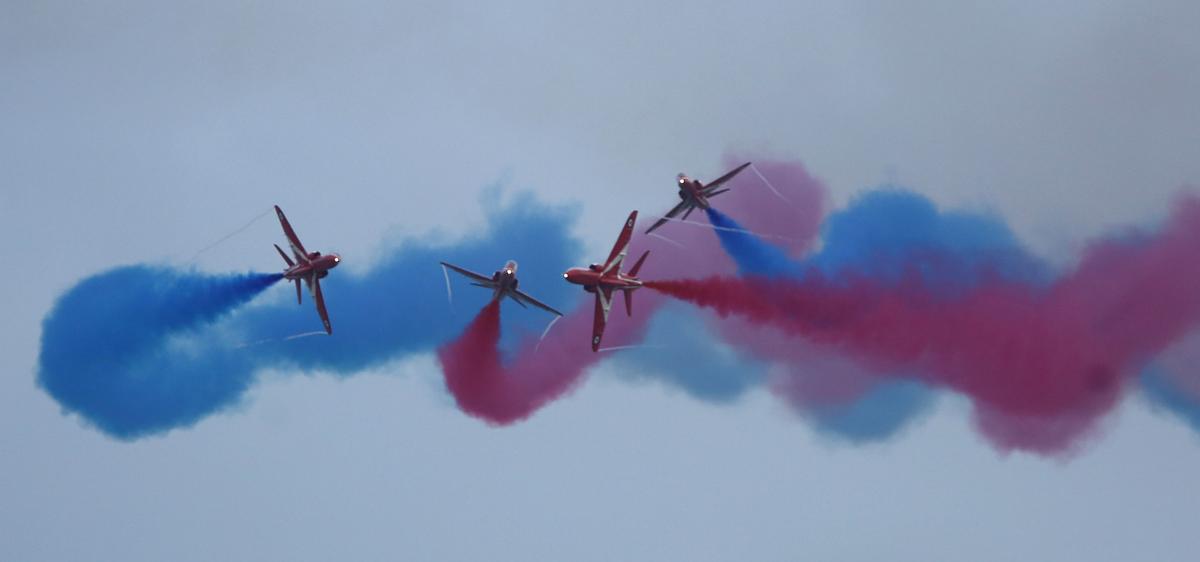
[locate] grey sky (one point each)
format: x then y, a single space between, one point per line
143 131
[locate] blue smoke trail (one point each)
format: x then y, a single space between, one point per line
880 414
1165 396
681 352
886 235
113 347
141 350
752 255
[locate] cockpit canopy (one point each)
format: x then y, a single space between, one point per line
594 267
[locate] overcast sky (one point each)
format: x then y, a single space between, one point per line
143 131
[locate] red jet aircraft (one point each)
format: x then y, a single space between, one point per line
694 194
310 267
503 283
602 280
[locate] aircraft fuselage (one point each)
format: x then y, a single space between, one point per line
693 191
591 278
318 263
505 280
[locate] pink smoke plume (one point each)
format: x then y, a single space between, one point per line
1041 364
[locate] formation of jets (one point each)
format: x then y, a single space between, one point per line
603 280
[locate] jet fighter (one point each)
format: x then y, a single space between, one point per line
503 283
603 279
694 194
309 267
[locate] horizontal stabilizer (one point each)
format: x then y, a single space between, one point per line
284 256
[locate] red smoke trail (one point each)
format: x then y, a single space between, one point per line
1041 364
474 373
486 388
806 375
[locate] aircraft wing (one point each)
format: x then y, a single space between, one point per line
523 296
621 248
670 215
466 272
293 241
600 320
708 189
320 300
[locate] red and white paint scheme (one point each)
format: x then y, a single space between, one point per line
309 267
604 279
693 194
503 283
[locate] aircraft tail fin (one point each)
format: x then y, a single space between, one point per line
284 256
637 266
